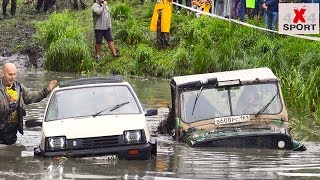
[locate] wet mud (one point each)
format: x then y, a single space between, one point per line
17 42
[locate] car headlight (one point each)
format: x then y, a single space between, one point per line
132 136
56 143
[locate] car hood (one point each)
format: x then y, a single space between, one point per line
82 127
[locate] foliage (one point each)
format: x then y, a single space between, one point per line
67 55
121 12
143 57
63 40
58 26
130 32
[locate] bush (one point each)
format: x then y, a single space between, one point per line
63 25
121 12
67 55
131 32
63 40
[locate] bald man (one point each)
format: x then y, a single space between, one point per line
13 98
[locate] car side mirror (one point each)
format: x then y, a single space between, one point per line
151 112
33 123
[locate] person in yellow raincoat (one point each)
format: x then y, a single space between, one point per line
203 5
161 21
206 5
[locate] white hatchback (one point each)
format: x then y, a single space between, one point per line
94 117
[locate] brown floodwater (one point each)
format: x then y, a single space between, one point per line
174 161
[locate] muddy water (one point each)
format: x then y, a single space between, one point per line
174 160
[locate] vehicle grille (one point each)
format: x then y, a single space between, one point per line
95 142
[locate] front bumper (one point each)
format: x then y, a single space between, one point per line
269 141
263 139
121 151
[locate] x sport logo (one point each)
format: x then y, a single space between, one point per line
299 18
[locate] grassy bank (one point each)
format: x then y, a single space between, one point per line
196 46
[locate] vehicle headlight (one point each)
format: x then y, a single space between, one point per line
56 143
132 136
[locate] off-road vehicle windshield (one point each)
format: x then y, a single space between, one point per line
230 101
89 101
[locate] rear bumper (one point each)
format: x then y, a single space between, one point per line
121 151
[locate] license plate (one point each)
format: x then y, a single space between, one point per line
105 157
110 157
231 119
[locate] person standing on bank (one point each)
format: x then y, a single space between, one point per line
46 5
271 13
13 7
13 98
102 27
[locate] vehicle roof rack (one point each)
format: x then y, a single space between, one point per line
245 76
92 80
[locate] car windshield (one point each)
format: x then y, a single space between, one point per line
89 101
230 101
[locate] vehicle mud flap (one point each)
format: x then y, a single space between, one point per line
297 146
153 142
37 151
146 155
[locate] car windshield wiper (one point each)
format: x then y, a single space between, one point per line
112 108
197 97
267 105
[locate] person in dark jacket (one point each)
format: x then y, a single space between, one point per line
13 98
271 12
12 10
77 4
46 5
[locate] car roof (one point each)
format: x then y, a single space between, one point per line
245 76
92 80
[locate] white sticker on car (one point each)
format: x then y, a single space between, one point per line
231 119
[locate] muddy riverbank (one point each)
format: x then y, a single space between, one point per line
17 42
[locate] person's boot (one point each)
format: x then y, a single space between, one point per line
46 6
98 51
13 7
4 11
38 6
75 5
83 4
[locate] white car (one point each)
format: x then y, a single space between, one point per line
95 117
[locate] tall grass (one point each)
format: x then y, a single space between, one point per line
58 26
131 33
64 42
121 12
301 92
67 55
